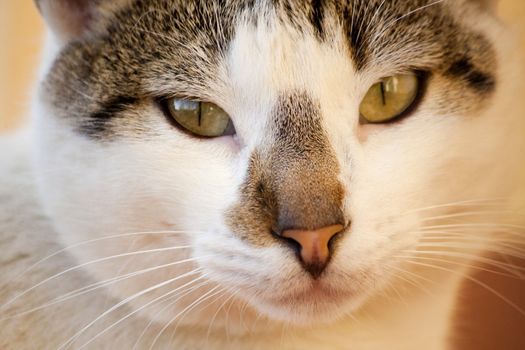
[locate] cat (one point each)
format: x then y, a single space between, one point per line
259 174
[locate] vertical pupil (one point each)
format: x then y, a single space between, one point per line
382 89
200 113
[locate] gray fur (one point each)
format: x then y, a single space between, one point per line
294 184
154 49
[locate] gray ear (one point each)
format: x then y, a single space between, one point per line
489 5
68 19
71 19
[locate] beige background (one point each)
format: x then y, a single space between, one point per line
20 37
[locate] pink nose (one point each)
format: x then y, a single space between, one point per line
315 252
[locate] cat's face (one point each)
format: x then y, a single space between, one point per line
292 77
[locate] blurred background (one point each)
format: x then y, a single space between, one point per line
485 320
20 38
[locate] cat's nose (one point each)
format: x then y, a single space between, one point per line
314 246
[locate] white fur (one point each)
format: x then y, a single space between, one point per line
92 190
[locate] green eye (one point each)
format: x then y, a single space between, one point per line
200 118
389 99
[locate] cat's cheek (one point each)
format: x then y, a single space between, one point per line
232 143
223 146
363 132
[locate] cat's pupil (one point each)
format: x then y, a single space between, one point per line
202 119
390 98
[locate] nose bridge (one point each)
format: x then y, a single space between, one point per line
308 194
303 166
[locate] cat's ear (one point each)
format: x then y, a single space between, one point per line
72 19
488 5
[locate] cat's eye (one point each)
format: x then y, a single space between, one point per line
202 119
389 99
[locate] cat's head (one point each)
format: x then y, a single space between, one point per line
300 151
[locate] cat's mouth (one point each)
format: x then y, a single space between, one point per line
319 301
306 301
318 292
317 304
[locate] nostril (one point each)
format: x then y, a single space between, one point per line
260 188
313 246
292 244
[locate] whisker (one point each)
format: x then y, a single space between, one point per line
97 285
123 302
359 30
470 236
196 302
504 236
378 10
417 285
467 203
470 243
124 265
474 280
79 244
386 294
152 302
387 27
215 316
242 312
470 266
217 296
467 236
476 225
227 322
171 302
467 213
511 263
413 274
254 323
462 255
87 264
418 9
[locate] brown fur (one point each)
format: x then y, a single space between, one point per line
293 184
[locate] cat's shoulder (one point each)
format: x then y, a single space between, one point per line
27 237
19 205
24 228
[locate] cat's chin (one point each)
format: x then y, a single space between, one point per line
316 305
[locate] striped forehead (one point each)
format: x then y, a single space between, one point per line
320 44
276 57
424 34
195 48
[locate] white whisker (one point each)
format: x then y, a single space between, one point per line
511 273
171 302
97 285
96 240
463 203
196 302
123 302
378 10
215 316
467 213
77 267
477 225
380 34
217 296
152 302
474 280
417 285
